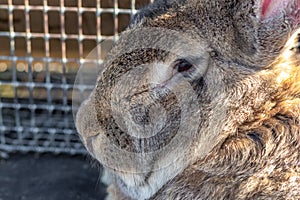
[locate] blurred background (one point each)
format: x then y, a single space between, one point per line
42 45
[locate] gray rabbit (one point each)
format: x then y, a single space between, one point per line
200 99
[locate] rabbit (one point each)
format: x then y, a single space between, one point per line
200 99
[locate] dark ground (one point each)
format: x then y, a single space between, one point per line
49 177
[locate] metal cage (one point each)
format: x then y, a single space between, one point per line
42 45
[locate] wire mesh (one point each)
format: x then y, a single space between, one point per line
42 45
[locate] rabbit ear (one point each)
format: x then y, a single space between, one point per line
270 28
158 7
272 8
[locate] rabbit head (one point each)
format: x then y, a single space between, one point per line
182 78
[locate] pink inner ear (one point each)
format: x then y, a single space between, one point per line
271 8
265 6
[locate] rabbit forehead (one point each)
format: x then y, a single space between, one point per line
176 42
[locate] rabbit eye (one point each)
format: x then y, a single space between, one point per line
182 65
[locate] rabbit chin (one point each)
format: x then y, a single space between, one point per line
141 185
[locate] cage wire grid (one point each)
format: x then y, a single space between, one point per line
42 45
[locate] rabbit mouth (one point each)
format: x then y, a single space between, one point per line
89 145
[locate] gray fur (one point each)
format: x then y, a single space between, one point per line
247 85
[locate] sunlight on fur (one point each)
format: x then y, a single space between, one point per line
200 99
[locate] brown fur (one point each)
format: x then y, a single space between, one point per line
253 79
244 168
